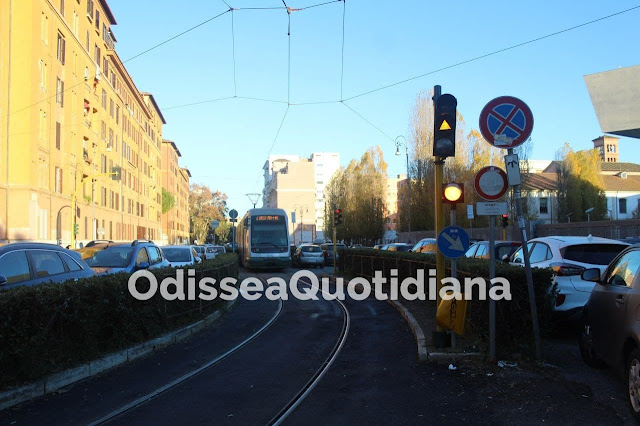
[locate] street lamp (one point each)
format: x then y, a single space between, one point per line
406 150
588 212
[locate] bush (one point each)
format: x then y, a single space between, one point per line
514 333
49 328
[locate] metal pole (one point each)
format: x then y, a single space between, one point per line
454 265
408 189
492 303
440 334
527 267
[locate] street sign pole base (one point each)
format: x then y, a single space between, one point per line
441 339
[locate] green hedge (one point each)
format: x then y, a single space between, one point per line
48 328
513 319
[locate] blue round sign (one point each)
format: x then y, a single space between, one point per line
453 242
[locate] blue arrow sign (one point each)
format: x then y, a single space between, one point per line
453 242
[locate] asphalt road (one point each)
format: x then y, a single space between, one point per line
374 378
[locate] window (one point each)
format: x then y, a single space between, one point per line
625 270
154 255
595 254
61 48
44 28
544 208
98 20
103 130
46 263
59 91
111 109
482 250
58 135
142 257
540 253
15 267
622 205
96 55
88 42
117 114
110 140
90 9
43 75
104 99
58 180
72 265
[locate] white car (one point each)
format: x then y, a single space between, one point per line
180 256
568 257
213 251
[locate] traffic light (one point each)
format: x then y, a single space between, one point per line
505 220
453 193
116 173
444 126
337 217
76 229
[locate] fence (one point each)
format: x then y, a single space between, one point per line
615 229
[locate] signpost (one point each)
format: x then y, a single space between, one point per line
233 214
506 122
470 218
492 209
214 225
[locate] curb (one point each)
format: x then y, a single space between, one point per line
423 354
56 381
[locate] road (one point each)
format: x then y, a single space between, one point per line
265 357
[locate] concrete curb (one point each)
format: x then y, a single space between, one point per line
56 381
423 354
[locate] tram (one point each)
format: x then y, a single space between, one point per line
263 239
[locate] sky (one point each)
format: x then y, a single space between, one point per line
225 143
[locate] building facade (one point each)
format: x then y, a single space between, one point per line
393 186
70 115
175 180
296 184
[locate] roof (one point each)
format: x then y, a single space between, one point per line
615 183
155 105
107 11
173 144
540 181
620 167
575 240
186 170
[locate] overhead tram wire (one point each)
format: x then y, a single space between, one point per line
275 139
495 52
344 12
367 121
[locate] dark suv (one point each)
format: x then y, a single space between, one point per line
128 257
37 263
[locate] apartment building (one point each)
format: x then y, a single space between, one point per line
175 180
70 115
296 184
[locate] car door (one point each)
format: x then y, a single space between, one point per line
47 266
155 258
142 258
14 266
608 304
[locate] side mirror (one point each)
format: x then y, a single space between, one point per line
143 265
3 280
591 274
505 258
198 260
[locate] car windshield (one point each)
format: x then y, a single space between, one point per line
111 257
594 254
177 254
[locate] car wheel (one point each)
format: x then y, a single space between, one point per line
585 342
633 373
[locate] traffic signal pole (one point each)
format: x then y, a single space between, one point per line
440 335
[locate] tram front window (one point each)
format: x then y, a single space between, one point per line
269 231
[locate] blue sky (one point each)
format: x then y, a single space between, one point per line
225 143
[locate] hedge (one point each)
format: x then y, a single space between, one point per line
513 319
49 328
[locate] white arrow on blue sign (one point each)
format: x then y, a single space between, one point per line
453 242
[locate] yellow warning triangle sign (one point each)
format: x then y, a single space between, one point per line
445 125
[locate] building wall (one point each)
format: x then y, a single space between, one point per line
326 164
53 136
607 146
175 222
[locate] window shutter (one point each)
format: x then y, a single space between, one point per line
57 135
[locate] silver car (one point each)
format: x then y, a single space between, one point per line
308 255
180 256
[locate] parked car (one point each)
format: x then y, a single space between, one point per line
398 247
568 257
26 264
356 246
327 252
128 257
201 252
212 251
611 331
480 250
92 247
180 256
231 247
308 255
378 246
425 245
